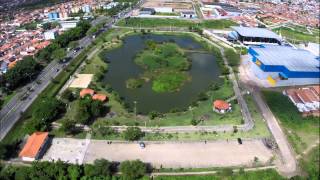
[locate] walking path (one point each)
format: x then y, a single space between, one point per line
205 172
288 164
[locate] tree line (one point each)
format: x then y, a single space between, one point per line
101 169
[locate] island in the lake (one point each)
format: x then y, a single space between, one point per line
165 64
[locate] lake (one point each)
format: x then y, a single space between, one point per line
204 71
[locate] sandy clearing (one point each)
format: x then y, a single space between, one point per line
175 155
81 81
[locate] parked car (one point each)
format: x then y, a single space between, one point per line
142 145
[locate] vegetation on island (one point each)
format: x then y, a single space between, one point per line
165 65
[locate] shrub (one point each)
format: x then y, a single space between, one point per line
133 133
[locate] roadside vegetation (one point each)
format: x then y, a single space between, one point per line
302 132
160 22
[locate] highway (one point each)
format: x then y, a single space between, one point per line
13 110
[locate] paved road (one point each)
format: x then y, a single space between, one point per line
12 111
289 164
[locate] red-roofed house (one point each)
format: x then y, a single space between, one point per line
221 106
34 147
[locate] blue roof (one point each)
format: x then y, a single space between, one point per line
255 32
293 59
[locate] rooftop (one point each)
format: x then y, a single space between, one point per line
255 32
100 97
220 104
33 145
292 59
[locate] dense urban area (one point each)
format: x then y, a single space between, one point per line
159 89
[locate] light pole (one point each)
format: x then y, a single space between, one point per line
135 110
190 108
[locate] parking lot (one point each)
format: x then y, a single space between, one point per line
187 155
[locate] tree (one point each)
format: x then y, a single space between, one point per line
90 170
43 114
24 71
96 108
194 122
68 126
133 133
103 167
47 110
133 169
81 113
67 95
73 44
58 54
74 172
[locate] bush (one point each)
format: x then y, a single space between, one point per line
67 95
194 122
134 83
133 133
154 114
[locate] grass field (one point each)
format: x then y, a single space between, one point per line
310 163
269 174
154 22
301 132
297 36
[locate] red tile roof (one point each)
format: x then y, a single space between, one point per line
33 145
220 104
100 97
86 91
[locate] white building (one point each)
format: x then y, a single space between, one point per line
163 9
68 24
52 34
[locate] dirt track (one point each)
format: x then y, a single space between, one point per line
175 155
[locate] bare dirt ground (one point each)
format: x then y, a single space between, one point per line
81 81
187 155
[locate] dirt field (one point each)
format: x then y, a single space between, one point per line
81 81
176 5
175 155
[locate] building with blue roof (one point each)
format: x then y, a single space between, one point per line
275 63
254 36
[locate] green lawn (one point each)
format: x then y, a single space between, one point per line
297 36
310 163
269 174
301 132
161 22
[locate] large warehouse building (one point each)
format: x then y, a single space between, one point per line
254 36
284 65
